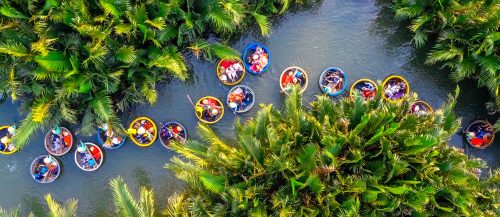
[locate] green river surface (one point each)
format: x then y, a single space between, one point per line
359 36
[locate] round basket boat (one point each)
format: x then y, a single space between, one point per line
58 141
420 107
143 131
109 142
209 110
172 131
45 169
365 88
89 157
333 81
395 88
6 134
230 72
479 134
293 76
240 99
257 58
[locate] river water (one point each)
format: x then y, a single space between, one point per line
358 36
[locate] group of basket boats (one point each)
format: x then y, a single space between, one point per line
240 99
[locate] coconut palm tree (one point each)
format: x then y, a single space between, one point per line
67 209
86 62
127 205
345 158
467 37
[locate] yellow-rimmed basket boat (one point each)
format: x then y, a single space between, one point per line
480 134
365 88
209 110
8 148
420 107
230 72
293 75
143 131
395 88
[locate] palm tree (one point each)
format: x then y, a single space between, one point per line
86 62
127 205
467 37
67 209
345 158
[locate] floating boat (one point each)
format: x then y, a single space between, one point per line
172 131
230 72
240 99
257 58
365 88
108 138
333 81
293 76
58 141
209 110
88 156
395 87
143 131
45 169
480 134
6 135
420 107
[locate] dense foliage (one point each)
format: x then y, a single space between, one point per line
126 204
344 158
465 35
85 62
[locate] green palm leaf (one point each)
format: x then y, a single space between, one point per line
57 210
265 26
53 61
126 205
13 49
171 60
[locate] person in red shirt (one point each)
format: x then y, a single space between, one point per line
95 153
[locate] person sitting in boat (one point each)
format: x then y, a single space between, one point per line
144 131
170 132
258 60
209 109
112 138
419 110
6 144
334 82
96 153
367 90
293 78
394 90
43 169
479 135
237 98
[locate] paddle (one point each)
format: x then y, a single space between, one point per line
191 101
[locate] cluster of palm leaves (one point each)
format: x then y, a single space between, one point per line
126 204
344 158
86 62
467 34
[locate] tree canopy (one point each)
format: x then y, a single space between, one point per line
342 158
85 62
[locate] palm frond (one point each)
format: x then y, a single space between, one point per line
171 60
265 26
125 203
